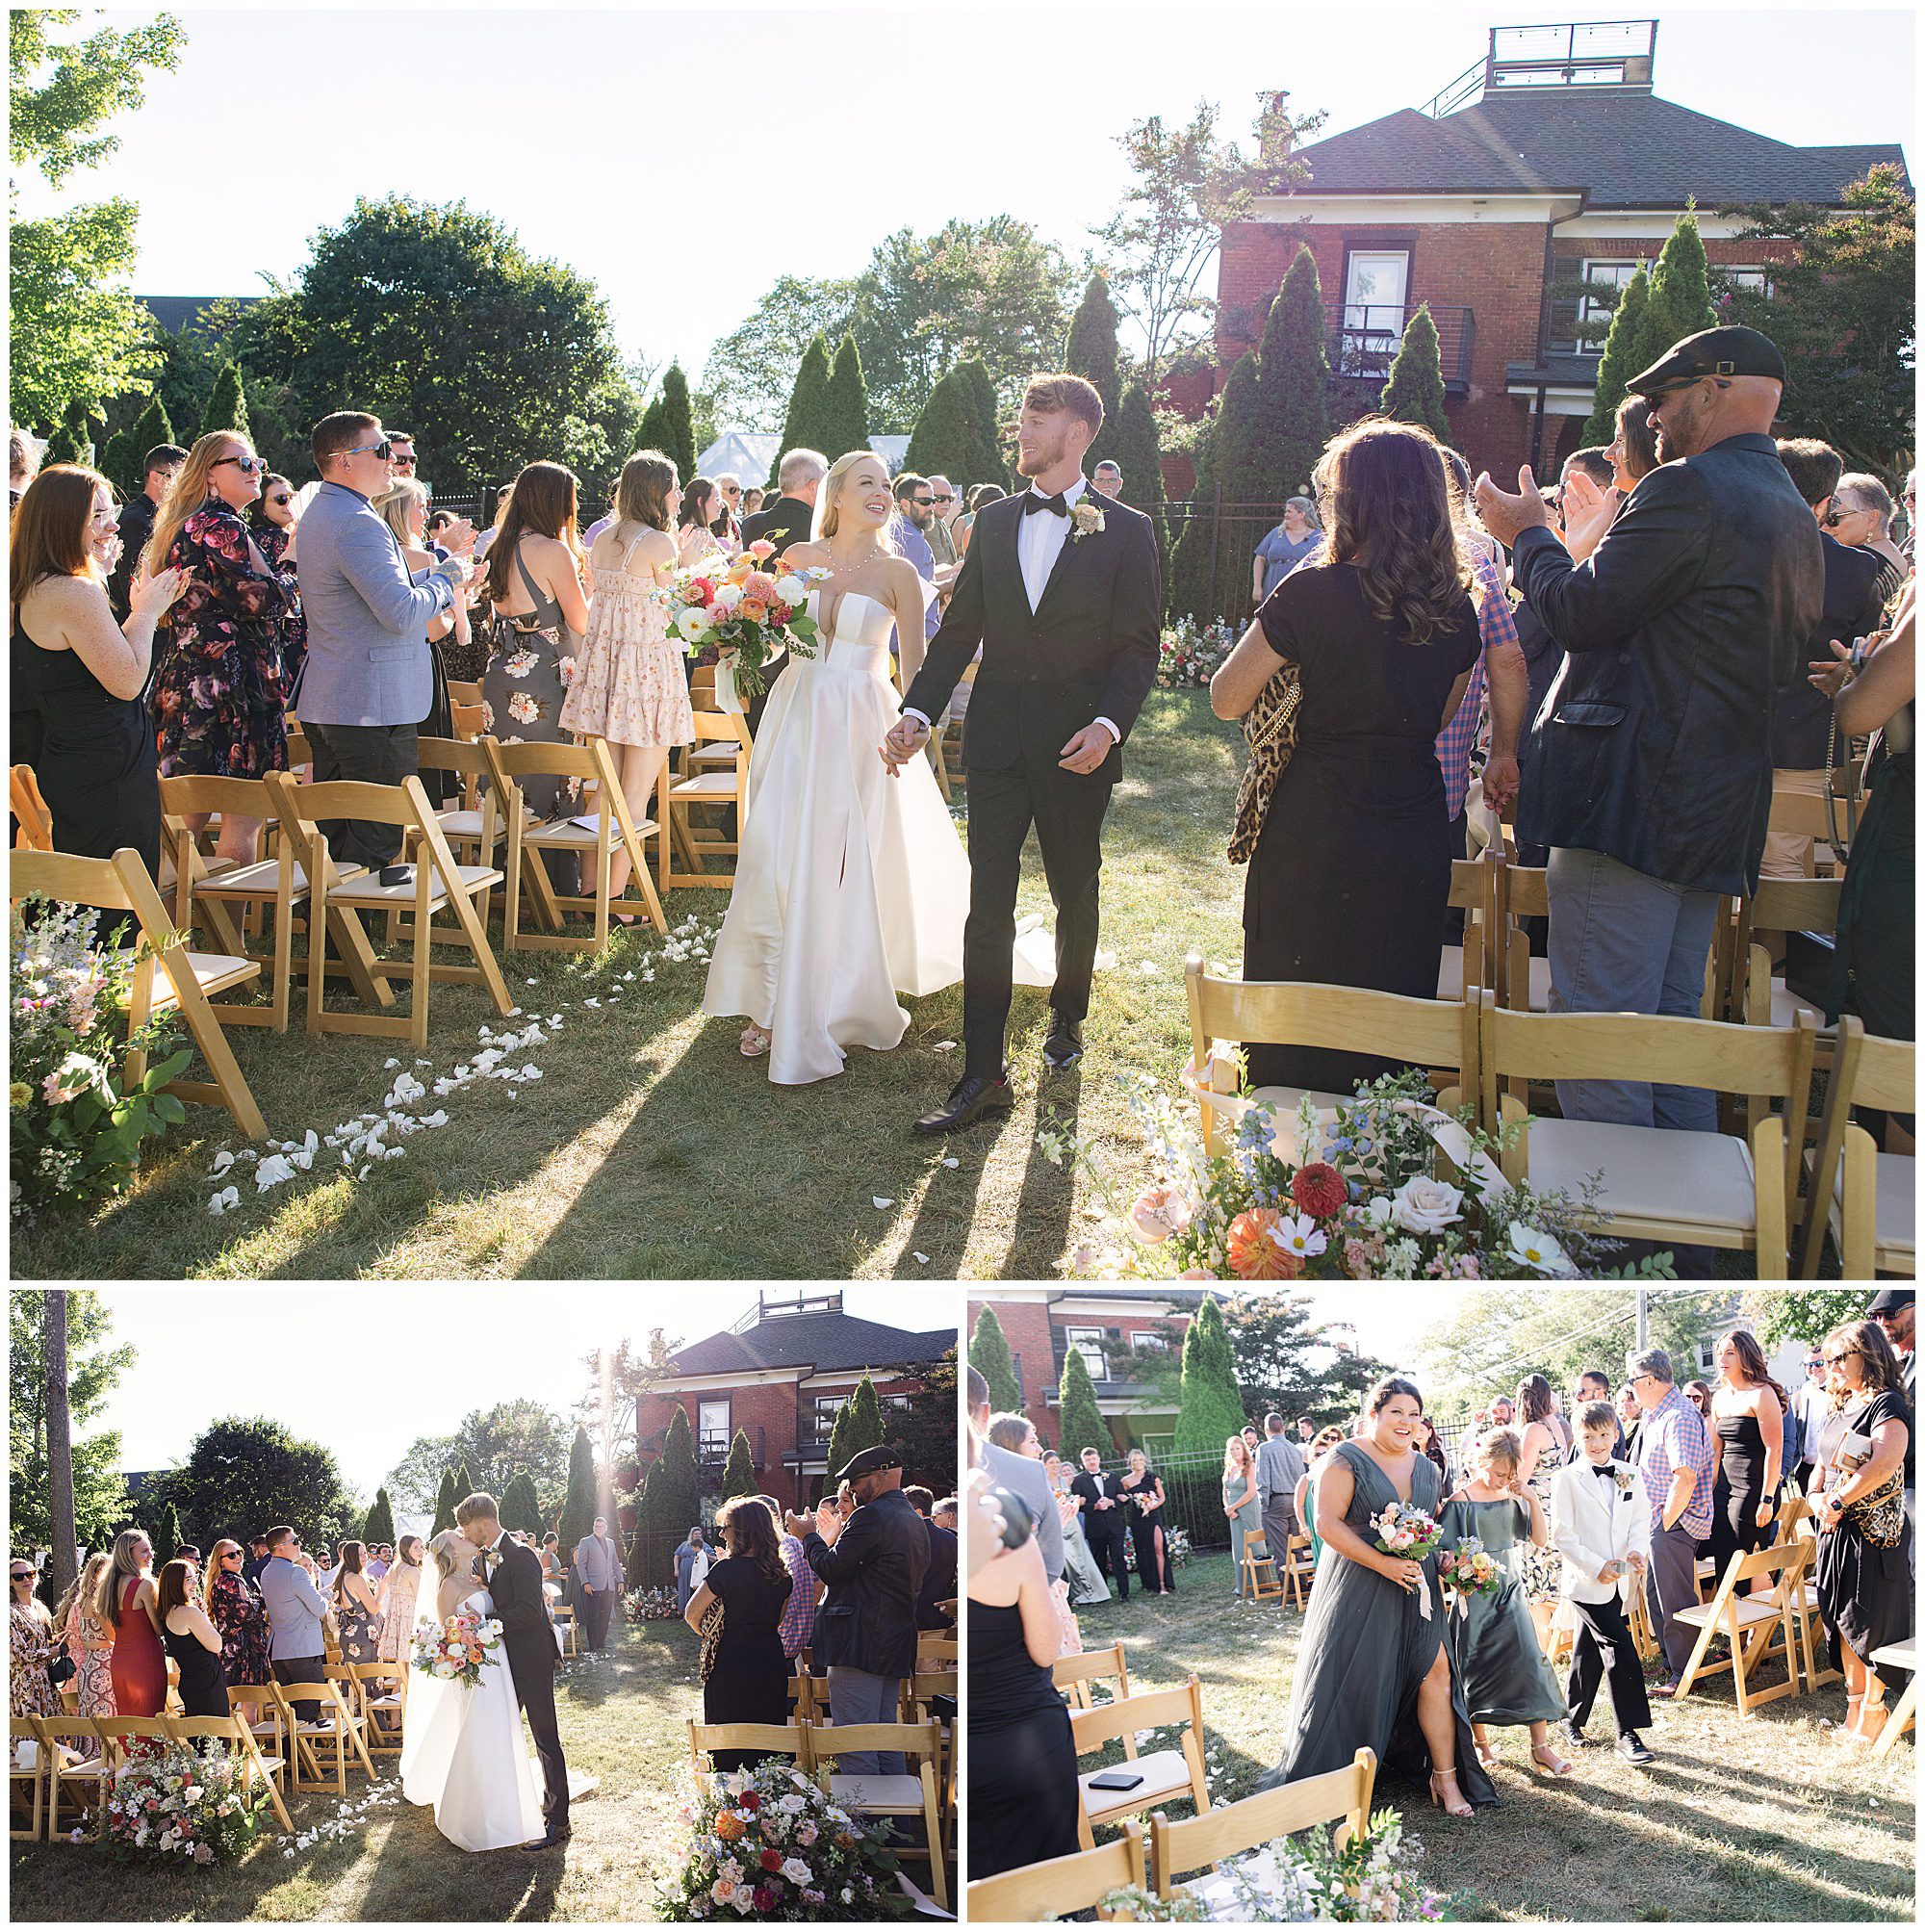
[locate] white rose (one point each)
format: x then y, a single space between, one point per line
790 589
695 623
1425 1207
728 596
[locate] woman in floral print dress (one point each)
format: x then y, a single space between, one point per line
89 1640
219 709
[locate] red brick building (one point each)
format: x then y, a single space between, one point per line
1042 1324
1550 164
781 1374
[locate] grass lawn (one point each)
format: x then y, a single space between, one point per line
622 1716
651 1148
1760 1818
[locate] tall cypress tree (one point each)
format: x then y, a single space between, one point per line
807 422
1680 295
991 464
1293 406
1619 362
989 1356
1414 391
1189 559
1090 352
680 1478
858 1426
1234 450
72 437
166 1537
153 429
577 1507
680 420
445 1500
1082 1425
380 1527
943 442
655 432
847 403
1135 450
1211 1406
738 1473
464 1483
226 403
521 1508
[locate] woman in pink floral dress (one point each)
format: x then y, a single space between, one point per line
630 685
89 1642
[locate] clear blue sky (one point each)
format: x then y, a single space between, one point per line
368 1369
630 143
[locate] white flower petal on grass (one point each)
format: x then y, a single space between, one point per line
1147 967
532 1071
950 1161
882 1200
388 1064
227 1197
222 1161
920 1257
272 1172
944 1046
591 1002
362 1175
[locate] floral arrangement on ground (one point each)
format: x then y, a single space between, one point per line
1393 1191
771 1843
1190 653
649 1606
179 1803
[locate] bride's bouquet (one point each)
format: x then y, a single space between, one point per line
741 604
1470 1569
457 1649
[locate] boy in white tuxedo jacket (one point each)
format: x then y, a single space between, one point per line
1600 1522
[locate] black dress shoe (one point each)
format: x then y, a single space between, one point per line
1570 1734
1634 1750
1064 1046
555 1837
974 1095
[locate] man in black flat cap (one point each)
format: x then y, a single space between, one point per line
1648 771
873 1562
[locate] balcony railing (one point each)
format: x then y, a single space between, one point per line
711 1452
1364 340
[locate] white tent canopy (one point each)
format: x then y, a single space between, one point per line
752 455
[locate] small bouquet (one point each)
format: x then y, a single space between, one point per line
741 605
645 1606
459 1649
176 1803
1470 1569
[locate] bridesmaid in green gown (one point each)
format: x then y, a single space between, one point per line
1243 1504
1494 1647
1373 1669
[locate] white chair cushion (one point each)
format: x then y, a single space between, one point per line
214 973
370 892
261 880
466 825
1540 985
898 1793
708 784
1751 1611
1652 1173
1897 1228
1166 1775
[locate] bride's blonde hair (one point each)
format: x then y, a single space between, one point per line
439 1550
831 487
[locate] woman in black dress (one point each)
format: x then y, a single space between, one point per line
1022 1798
1143 1486
1372 1668
96 765
1747 1452
1863 1571
192 1643
1351 870
744 1673
273 521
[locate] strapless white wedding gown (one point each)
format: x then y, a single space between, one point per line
463 1753
852 886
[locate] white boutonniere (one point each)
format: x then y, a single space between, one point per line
1085 520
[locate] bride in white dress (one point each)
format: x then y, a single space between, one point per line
462 1750
852 885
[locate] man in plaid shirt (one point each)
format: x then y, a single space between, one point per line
1674 1457
1501 671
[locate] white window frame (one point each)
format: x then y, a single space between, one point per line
1588 307
703 1433
1086 1340
1747 276
1141 1338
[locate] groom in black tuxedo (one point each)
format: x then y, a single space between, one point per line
511 1573
1105 1510
1062 590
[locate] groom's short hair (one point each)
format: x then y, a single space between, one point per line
472 1509
1067 394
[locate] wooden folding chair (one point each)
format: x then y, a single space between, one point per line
1429 1033
80 1763
336 1724
1804 814
469 721
1058 1886
1896 1657
1166 1775
1748 1623
1260 1573
382 1692
122 884
1778 907
1473 893
1797 1522
1299 1571
1074 1676
773 1740
1866 1199
564 1621
530 839
703 786
945 742
464 691
1341 1797
473 825
267 1724
241 1742
439 884
33 822
27 1778
886 1794
1659 1183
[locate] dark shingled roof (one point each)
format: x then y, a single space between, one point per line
1619 148
175 312
819 1340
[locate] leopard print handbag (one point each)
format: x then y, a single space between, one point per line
1270 725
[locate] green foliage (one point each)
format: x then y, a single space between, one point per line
1188 591
520 1511
380 1527
1293 409
1090 352
738 1473
989 1356
991 464
93 1369
807 424
1234 447
1212 1406
858 1426
577 1509
243 1472
925 1433
750 373
680 420
152 429
1272 1340
1134 450
654 433
72 440
945 441
73 330
1679 302
445 1498
650 1555
488 1447
226 403
1414 391
846 404
673 1490
165 1534
1778 1315
1082 1426
1619 362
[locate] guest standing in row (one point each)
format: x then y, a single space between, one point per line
1243 1504
598 1570
691 1566
939 1581
159 468
1148 1530
1748 1411
190 1640
295 1605
127 1605
745 1676
1317 1451
90 1642
31 1691
357 1613
1279 1470
237 1612
1294 540
404 507
1674 1452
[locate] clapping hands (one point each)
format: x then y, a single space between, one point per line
1588 510
1507 516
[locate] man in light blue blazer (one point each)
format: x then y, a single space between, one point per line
369 680
296 1608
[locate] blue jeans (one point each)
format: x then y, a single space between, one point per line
1622 942
861 1697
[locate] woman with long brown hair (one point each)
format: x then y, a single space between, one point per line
1543 1440
744 1673
96 763
238 1613
1243 1504
1351 867
356 1608
31 1639
1747 1427
404 507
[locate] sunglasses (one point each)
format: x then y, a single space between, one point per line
384 450
943 499
925 503
281 503
23 1576
246 465
1833 1361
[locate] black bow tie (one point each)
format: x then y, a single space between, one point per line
1056 505
1604 1470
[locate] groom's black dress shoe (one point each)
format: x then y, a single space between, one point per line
1633 1748
1571 1734
1064 1046
974 1095
550 1839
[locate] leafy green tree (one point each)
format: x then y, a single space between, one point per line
577 1509
1134 450
445 1498
226 404
72 440
858 1426
165 1534
491 1444
807 422
750 373
73 329
1090 352
847 403
1414 391
944 441
680 1478
680 422
1679 302
655 432
1188 593
925 1433
738 1473
1082 1426
380 1527
1292 405
94 1367
1619 362
989 1356
520 1511
991 464
1273 1349
1234 447
245 1472
1212 1406
1843 314
1778 1315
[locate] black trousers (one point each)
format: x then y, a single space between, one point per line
1108 1551
373 755
1067 812
600 1605
1605 1648
534 1694
303 1671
